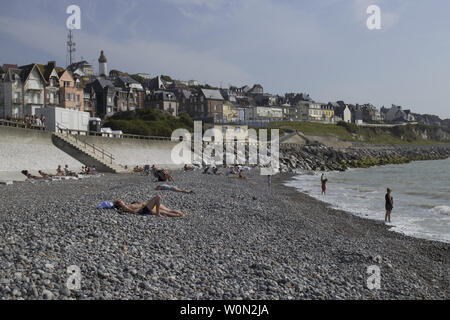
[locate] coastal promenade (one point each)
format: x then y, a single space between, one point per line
240 240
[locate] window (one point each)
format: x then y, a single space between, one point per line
67 96
66 84
78 98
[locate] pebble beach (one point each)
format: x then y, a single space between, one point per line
239 240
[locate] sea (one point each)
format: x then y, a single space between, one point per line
421 192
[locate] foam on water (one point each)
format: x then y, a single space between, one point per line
420 191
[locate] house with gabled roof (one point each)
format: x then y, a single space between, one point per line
50 72
105 92
206 104
162 100
257 89
135 93
71 94
33 90
11 93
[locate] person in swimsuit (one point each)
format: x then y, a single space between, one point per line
241 175
152 207
166 187
59 171
216 172
30 176
324 184
45 175
389 205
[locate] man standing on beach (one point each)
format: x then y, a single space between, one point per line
324 184
389 205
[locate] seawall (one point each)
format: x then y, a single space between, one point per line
133 152
26 149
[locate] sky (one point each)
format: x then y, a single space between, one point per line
321 47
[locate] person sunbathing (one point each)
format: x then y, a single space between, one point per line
241 175
69 173
162 175
206 171
138 169
45 175
152 207
233 170
166 187
59 171
30 176
216 172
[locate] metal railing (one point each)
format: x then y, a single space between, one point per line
87 146
20 124
113 135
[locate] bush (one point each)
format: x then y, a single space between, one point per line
149 122
350 127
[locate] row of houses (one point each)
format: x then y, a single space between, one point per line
24 89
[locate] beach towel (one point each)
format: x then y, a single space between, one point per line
105 205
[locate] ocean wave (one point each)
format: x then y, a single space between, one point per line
442 209
445 210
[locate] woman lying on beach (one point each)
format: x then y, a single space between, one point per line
162 175
45 175
30 176
166 187
216 172
152 207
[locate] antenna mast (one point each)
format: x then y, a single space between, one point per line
70 47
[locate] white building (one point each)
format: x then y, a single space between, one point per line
64 118
311 111
264 113
347 115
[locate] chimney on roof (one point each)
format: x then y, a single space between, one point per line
52 64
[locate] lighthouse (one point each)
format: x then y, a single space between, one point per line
102 65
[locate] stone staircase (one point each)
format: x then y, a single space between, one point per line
86 153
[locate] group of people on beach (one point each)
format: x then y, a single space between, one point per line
155 206
60 172
230 172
